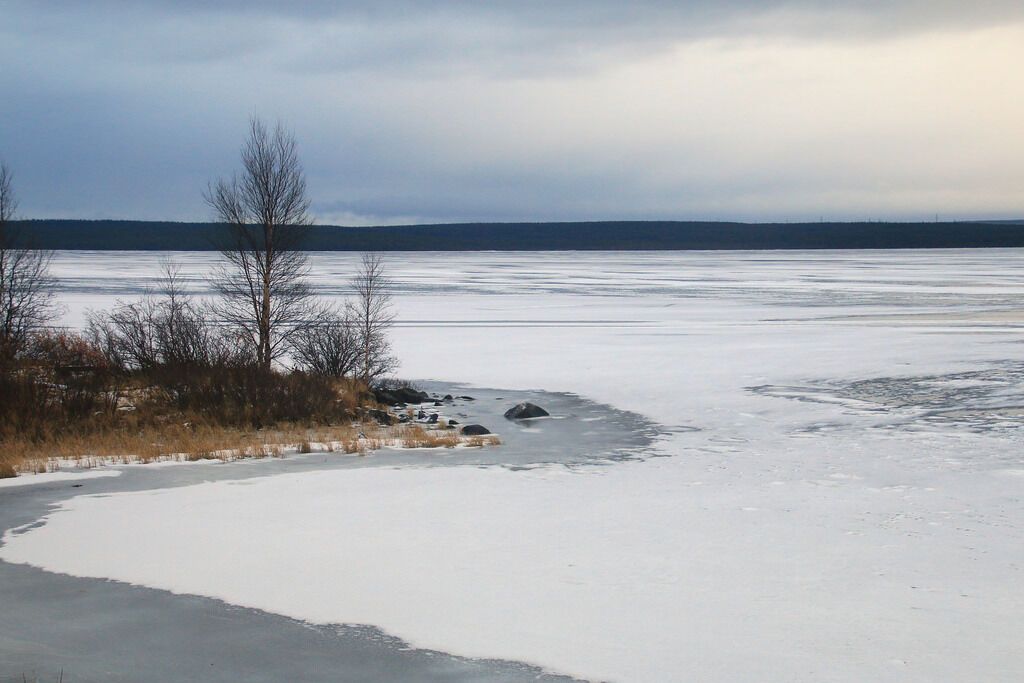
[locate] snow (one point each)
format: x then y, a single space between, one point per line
802 534
54 477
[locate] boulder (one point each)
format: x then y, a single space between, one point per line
453 422
525 411
467 398
448 397
432 419
475 430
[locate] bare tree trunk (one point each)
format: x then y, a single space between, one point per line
262 285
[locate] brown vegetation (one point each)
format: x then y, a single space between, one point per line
92 412
66 400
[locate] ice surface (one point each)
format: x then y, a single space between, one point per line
53 477
836 517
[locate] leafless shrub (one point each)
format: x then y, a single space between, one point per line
127 334
331 347
167 330
184 333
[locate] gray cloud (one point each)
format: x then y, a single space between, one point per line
457 110
510 37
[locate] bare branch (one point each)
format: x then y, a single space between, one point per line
26 287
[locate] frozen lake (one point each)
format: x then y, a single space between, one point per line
839 497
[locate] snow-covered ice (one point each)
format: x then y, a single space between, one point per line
54 477
848 508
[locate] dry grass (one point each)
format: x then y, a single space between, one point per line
482 441
189 442
416 436
180 441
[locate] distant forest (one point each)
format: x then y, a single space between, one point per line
609 235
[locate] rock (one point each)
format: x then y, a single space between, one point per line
438 404
448 397
386 397
403 417
467 398
453 422
525 411
381 417
420 415
410 395
475 430
432 419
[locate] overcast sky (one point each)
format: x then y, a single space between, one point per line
408 110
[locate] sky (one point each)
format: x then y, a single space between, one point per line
458 110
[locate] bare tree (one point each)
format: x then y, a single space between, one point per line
26 288
262 284
331 348
373 316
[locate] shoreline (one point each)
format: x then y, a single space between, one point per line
91 622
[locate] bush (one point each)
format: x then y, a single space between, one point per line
251 396
65 351
163 333
169 331
330 348
61 380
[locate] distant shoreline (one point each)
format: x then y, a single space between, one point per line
107 235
